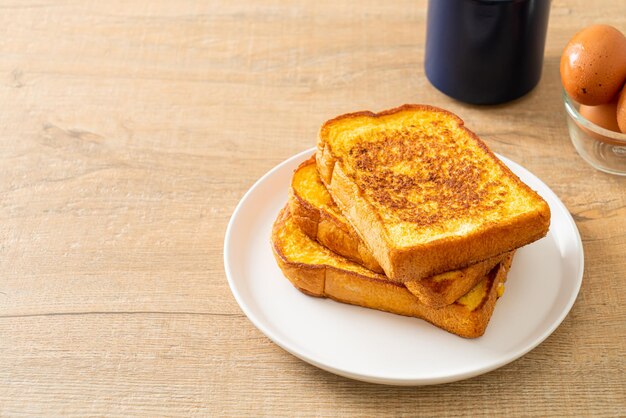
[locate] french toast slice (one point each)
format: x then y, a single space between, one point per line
423 192
317 271
316 214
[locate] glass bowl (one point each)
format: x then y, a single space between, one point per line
603 149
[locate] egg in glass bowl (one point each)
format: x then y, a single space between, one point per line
593 74
604 149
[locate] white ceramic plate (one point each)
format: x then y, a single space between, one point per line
379 347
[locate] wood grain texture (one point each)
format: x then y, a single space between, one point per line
130 130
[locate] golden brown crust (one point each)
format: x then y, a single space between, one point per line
377 292
437 291
506 237
326 229
440 254
308 278
392 111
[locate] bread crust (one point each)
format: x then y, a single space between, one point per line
438 255
326 229
438 292
377 292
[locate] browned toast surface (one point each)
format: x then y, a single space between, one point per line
317 271
423 192
315 213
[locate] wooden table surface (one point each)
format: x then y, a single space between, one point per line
129 130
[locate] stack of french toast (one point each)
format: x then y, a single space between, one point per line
406 211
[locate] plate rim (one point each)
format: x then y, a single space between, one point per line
410 381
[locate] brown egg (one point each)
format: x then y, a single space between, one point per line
621 110
593 65
604 115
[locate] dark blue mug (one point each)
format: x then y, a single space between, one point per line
485 51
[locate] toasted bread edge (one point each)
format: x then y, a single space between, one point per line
438 293
329 231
